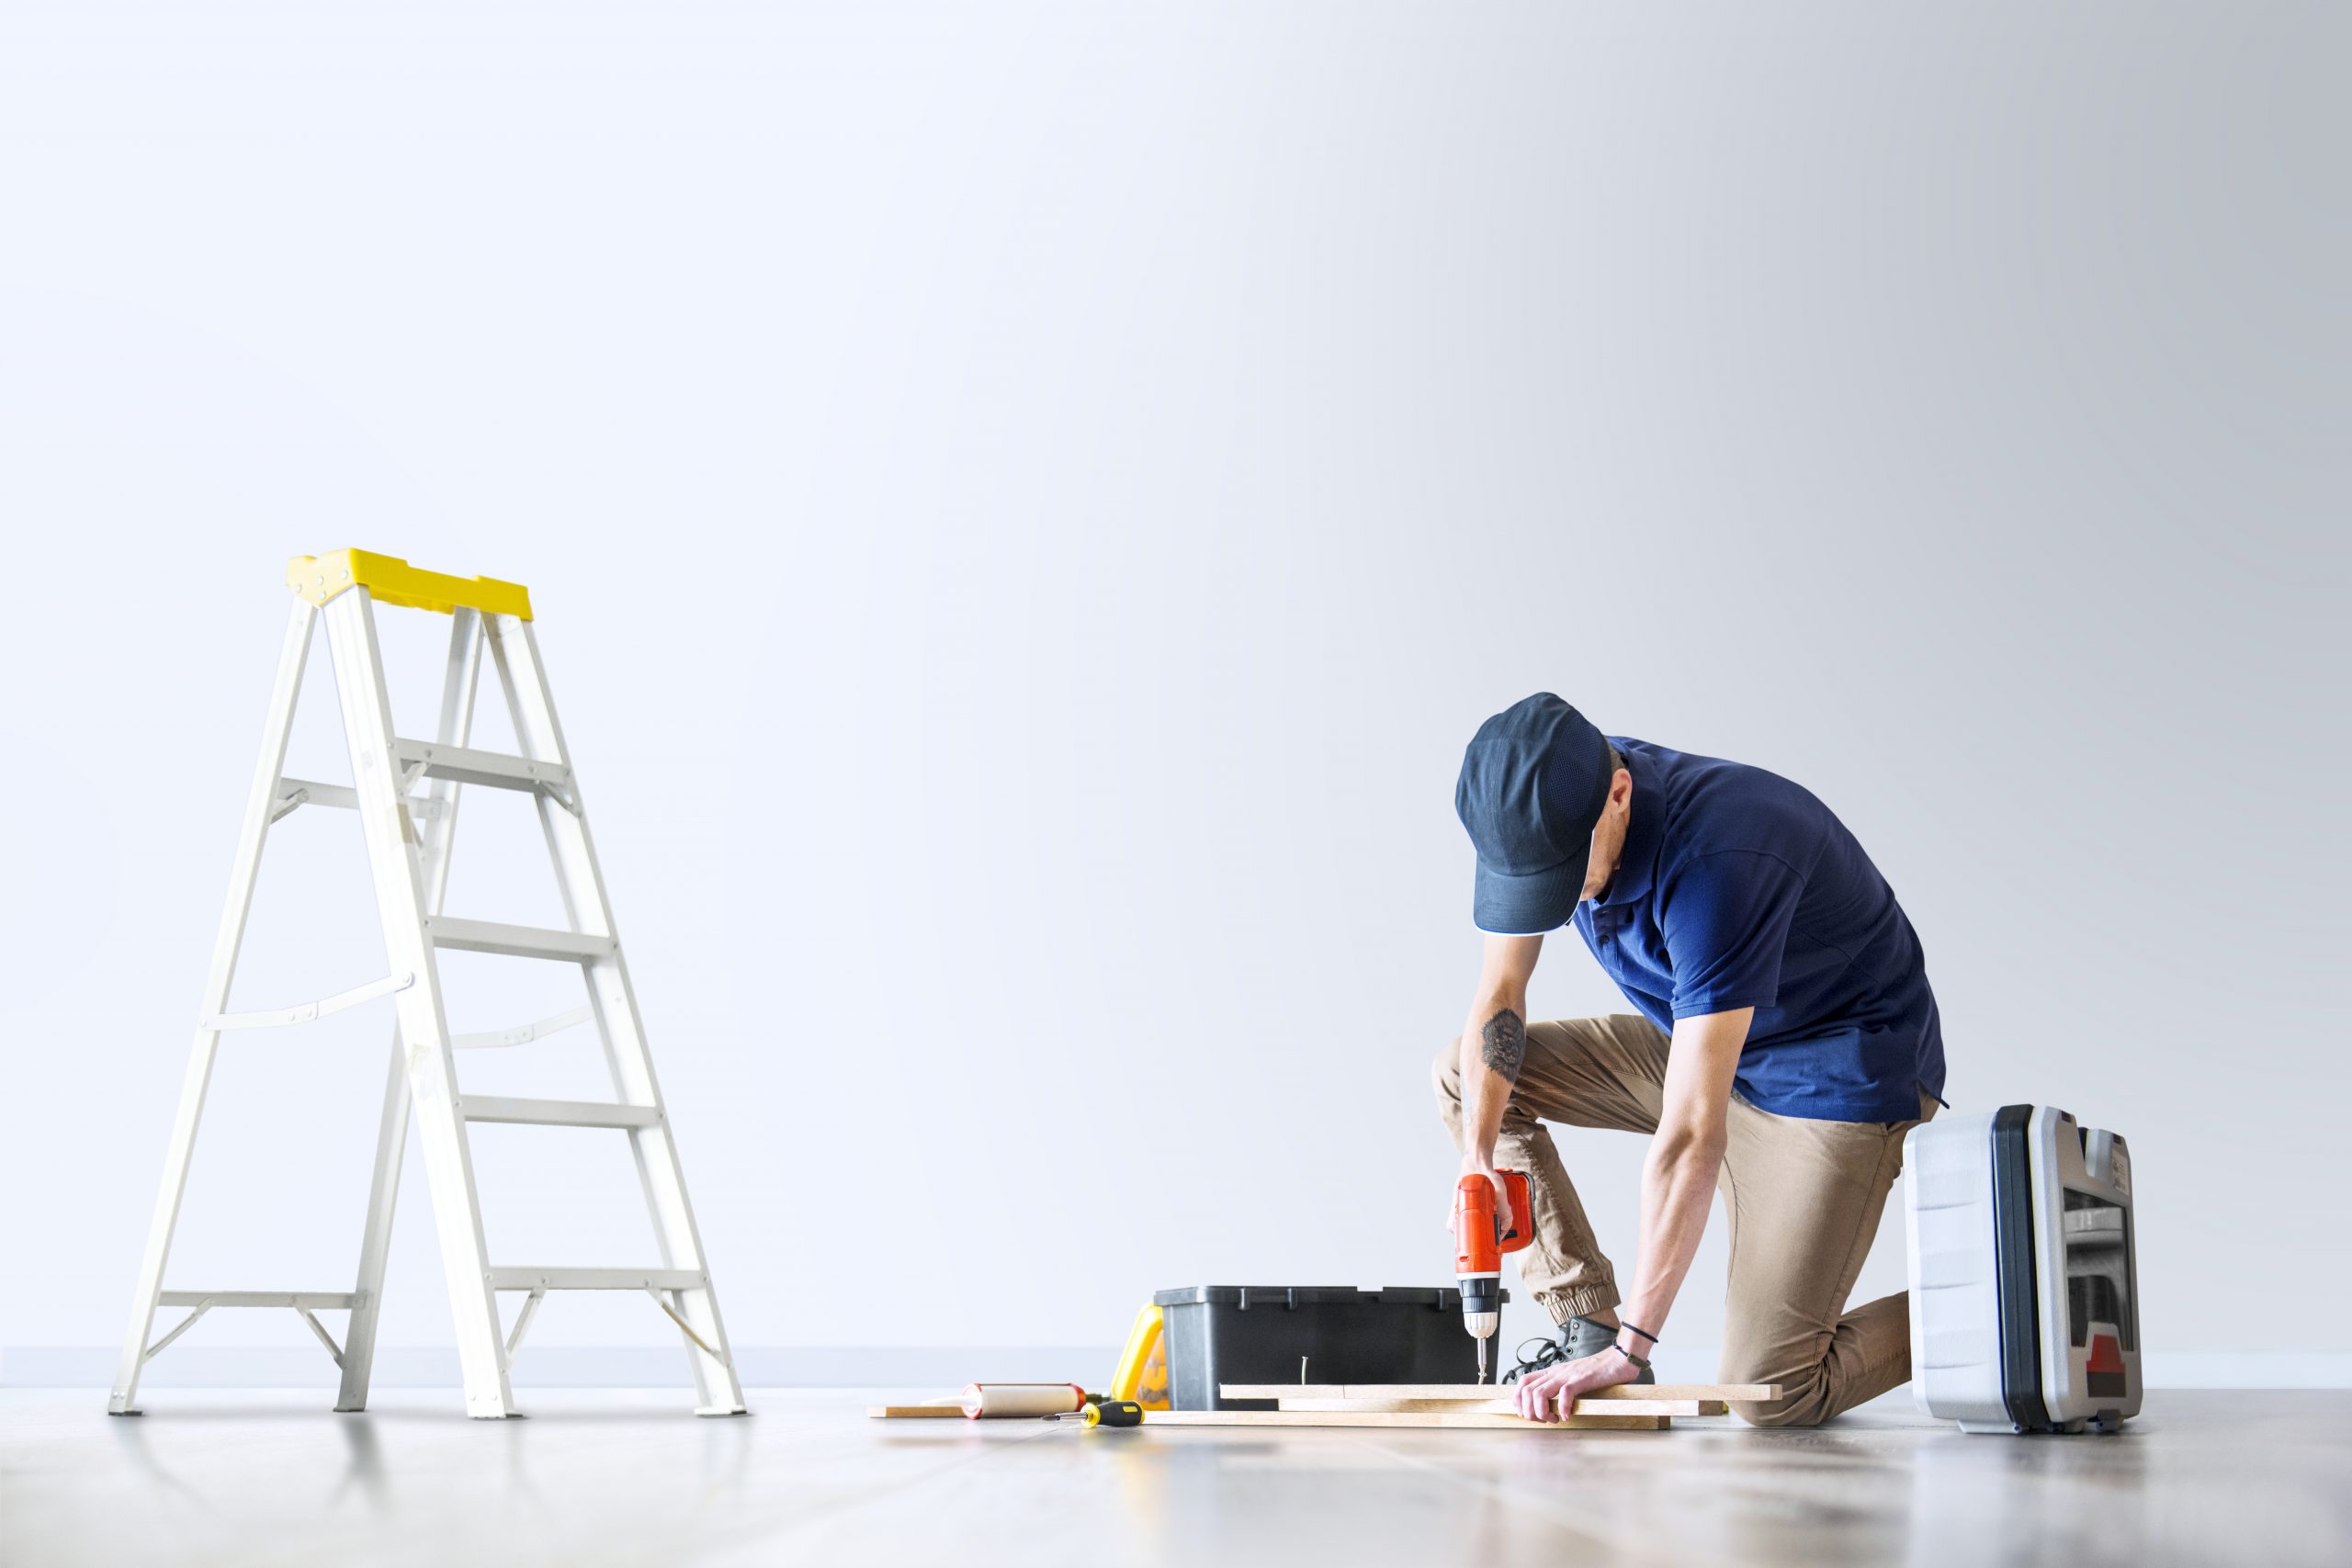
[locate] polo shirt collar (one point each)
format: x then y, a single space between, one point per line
1637 864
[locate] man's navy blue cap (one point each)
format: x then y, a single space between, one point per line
1533 781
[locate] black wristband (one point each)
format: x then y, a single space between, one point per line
1631 1357
1638 1329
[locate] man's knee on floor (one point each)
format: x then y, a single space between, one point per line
1782 1412
1804 1401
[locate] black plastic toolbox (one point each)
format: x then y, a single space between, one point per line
1222 1334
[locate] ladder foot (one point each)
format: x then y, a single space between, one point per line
721 1410
493 1405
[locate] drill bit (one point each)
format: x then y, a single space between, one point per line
1481 1359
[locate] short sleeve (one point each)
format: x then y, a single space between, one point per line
1725 918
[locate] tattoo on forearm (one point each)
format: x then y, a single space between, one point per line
1503 1045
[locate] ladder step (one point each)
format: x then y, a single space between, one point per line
316 1301
463 764
557 1112
597 1279
515 942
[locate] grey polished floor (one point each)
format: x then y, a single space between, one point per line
599 1476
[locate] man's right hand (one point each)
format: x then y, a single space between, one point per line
1503 1210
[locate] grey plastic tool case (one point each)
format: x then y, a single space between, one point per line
2025 1313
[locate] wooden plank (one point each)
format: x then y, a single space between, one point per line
1481 1392
1504 1407
914 1411
1447 1418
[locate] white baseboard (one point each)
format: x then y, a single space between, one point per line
2247 1369
932 1366
558 1366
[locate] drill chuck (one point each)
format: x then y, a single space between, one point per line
1482 1304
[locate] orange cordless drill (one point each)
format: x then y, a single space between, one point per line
1479 1243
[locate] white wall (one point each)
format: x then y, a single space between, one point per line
1025 505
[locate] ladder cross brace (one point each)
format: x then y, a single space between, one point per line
304 1012
554 1024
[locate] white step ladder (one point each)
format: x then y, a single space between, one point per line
408 833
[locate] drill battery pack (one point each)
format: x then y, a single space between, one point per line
2025 1311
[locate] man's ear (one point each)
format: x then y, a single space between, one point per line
1621 788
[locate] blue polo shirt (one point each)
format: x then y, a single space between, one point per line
1737 888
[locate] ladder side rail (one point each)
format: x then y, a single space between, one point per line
515 649
461 683
424 1026
260 804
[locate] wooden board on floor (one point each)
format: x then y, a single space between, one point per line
1504 1407
1481 1392
1449 1418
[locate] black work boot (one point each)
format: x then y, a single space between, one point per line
1577 1339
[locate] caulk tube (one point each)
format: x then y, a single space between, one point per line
995 1398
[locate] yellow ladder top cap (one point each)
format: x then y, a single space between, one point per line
391 580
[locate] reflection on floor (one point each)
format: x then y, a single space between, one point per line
254 1477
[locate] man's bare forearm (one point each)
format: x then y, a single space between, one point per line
1494 1047
1678 1186
1685 1159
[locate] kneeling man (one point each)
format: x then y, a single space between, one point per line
1783 1038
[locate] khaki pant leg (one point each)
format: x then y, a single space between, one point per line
1805 1199
1584 1072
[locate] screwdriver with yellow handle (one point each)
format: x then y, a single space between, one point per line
1106 1413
